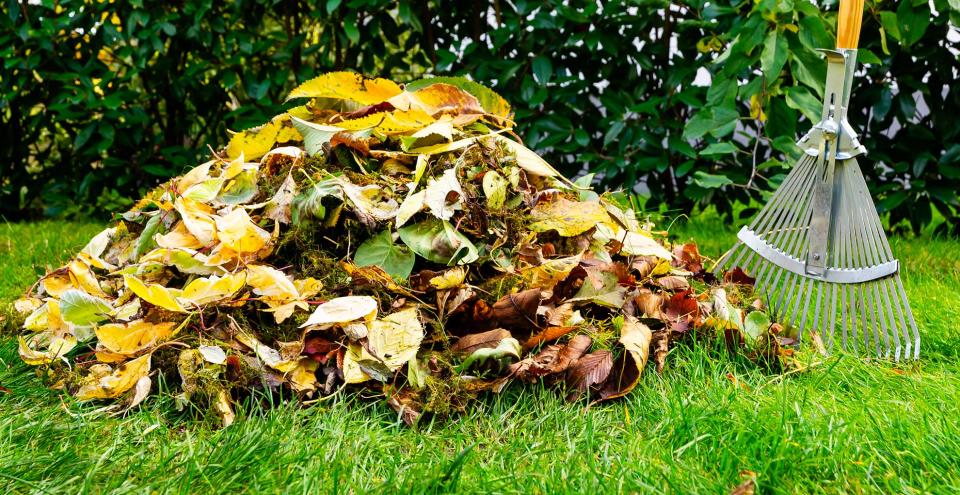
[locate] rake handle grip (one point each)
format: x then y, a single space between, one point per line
848 23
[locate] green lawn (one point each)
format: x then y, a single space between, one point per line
847 426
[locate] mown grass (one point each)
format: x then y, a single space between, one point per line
848 426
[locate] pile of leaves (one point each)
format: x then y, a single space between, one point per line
390 239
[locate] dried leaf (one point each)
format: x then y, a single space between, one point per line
116 382
568 218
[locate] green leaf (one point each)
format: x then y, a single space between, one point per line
800 98
714 149
380 250
239 189
332 5
438 241
913 20
542 69
755 325
710 181
82 309
508 350
145 241
774 55
314 135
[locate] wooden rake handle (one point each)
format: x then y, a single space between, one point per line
848 24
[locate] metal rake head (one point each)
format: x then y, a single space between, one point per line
858 297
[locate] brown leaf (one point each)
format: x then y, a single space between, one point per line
551 359
589 370
546 335
350 140
681 311
518 311
648 304
407 406
635 338
738 276
644 265
485 340
687 256
673 282
661 346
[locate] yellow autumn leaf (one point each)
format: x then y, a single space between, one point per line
155 294
253 143
347 86
568 218
395 339
343 310
56 347
82 277
395 122
438 99
527 159
131 338
121 379
449 279
549 273
178 237
56 283
271 284
198 219
211 289
303 378
238 232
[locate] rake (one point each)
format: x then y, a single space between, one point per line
817 250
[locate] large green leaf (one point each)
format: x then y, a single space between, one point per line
438 241
82 309
774 55
380 250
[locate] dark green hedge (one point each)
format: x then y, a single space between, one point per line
695 102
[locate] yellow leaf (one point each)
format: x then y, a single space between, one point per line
449 279
253 143
343 310
211 289
270 356
82 277
303 378
194 176
632 243
56 284
155 294
134 337
347 86
238 232
123 378
271 283
437 99
395 122
178 237
57 346
528 160
198 220
756 109
351 364
547 274
568 218
396 338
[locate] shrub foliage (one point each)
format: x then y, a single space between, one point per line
693 101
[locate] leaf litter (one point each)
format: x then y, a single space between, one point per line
389 240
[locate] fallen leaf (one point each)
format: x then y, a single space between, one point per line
568 218
133 337
118 381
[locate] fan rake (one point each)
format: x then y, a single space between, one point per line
817 250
